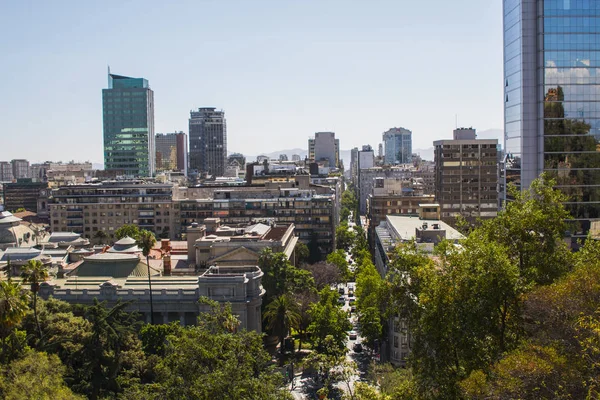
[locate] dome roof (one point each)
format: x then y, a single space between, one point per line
13 234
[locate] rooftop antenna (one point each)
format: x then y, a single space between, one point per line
456 120
108 76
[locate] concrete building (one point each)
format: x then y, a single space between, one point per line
128 119
551 101
175 298
208 141
367 177
324 146
222 245
366 158
466 176
6 174
313 209
354 165
296 158
394 196
398 146
20 168
172 152
106 206
13 233
426 230
23 193
238 160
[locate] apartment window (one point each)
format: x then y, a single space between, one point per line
396 341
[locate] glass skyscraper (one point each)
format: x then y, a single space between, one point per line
128 117
552 100
398 146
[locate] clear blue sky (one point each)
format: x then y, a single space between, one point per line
281 69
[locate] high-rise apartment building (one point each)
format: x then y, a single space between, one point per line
128 117
171 152
208 141
6 174
398 146
551 101
354 165
466 176
20 169
324 146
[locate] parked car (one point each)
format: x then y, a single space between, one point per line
357 347
341 290
352 335
342 300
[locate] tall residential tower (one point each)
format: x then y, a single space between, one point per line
552 101
208 141
128 116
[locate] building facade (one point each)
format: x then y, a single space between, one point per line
20 169
6 174
398 146
89 208
324 146
171 152
551 101
208 141
128 119
466 176
23 193
366 181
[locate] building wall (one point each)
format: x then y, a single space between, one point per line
208 141
398 146
22 194
171 152
128 119
551 105
466 173
325 147
20 169
87 209
6 174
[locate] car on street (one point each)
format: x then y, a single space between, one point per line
341 290
352 309
352 301
350 294
352 335
357 347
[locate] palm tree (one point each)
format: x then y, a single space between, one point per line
146 242
34 272
14 304
281 315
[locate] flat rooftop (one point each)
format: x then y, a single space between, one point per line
405 227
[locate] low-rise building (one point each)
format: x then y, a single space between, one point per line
112 277
224 245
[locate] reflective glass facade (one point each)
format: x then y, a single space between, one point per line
398 146
552 98
208 141
128 118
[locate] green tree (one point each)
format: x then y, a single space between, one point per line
14 304
280 277
281 315
209 361
329 324
101 236
154 337
133 231
302 253
35 376
338 258
344 237
146 241
34 273
369 286
113 335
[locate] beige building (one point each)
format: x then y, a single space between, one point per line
466 176
223 245
89 208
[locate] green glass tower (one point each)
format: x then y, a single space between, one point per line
128 117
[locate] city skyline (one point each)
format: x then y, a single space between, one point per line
338 67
